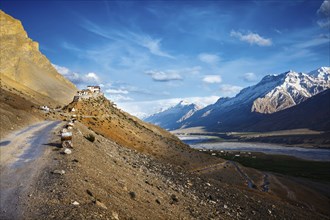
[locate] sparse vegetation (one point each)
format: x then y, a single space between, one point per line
284 164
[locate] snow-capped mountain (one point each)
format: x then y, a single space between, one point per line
292 88
171 117
314 113
272 94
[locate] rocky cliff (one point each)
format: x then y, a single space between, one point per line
22 63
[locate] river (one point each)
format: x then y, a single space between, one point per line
201 142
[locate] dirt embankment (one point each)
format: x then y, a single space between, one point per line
104 180
16 111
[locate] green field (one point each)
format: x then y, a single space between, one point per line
283 164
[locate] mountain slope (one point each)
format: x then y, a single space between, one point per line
273 93
110 170
171 117
293 89
24 65
104 118
314 114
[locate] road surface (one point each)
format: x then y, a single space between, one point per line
22 157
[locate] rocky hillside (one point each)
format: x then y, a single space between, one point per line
171 117
104 180
314 113
25 68
103 117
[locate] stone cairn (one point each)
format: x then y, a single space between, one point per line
66 134
66 140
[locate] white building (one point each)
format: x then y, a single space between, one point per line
94 89
90 92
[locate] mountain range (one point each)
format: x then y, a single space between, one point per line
169 118
253 106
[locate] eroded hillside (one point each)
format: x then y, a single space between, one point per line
104 118
24 67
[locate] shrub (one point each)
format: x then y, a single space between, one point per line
90 137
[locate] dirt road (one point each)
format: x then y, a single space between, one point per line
23 155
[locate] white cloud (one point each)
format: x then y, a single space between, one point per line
164 76
209 58
249 77
324 9
251 38
116 91
230 90
212 79
92 77
146 108
61 69
77 78
173 74
324 13
324 23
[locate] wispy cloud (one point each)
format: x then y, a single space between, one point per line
324 13
249 77
76 78
210 79
209 58
121 35
229 90
116 91
313 42
251 38
118 98
154 46
278 31
164 76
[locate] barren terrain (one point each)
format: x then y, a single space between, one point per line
104 180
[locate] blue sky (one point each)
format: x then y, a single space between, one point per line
148 55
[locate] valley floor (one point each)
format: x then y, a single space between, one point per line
297 137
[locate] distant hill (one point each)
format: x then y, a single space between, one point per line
171 117
25 68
